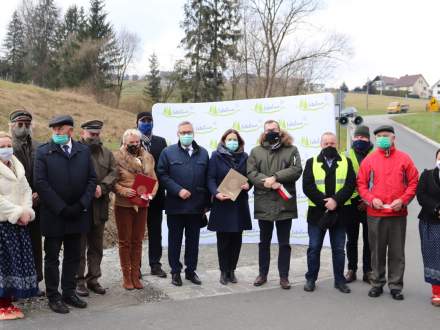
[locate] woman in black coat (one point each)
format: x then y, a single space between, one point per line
428 195
228 218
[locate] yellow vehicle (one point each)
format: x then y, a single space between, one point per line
397 107
432 105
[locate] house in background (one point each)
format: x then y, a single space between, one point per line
408 85
435 90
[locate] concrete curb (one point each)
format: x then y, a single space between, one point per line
421 136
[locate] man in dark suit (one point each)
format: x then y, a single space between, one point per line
66 183
24 149
154 145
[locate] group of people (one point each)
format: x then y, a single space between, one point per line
61 190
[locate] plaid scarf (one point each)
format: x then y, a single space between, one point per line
146 142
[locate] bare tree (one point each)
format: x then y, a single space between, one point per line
127 46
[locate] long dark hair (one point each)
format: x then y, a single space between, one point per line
239 138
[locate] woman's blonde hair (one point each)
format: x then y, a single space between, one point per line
5 135
131 132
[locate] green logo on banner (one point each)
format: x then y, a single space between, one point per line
222 111
291 125
307 105
176 113
310 143
245 127
213 144
262 108
205 128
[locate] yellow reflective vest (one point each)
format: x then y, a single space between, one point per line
356 166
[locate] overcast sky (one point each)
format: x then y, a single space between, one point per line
389 37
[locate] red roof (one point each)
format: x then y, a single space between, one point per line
407 81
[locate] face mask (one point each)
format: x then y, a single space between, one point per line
186 139
60 139
22 132
133 149
232 145
145 128
273 137
330 152
383 142
361 145
438 164
6 154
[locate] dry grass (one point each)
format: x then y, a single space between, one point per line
44 104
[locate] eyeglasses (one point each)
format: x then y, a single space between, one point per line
21 124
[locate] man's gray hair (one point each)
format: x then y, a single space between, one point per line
327 134
131 132
183 123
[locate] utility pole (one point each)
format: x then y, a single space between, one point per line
368 90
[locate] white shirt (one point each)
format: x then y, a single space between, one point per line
69 145
190 149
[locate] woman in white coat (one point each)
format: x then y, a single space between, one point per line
18 278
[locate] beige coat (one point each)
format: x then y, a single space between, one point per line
128 167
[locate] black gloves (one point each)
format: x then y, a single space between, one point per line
72 211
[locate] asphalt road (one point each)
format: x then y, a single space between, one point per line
325 308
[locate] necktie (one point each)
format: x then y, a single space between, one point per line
66 149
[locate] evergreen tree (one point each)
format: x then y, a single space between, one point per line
344 87
15 50
98 27
153 88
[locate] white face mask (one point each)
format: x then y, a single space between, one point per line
438 164
6 154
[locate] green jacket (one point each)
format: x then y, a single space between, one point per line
285 164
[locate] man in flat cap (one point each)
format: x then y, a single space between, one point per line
387 182
361 147
154 145
65 180
20 124
92 242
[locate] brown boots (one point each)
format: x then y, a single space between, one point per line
136 257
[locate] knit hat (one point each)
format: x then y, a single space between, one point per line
144 114
362 130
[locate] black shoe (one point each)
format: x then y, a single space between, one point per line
397 294
158 271
81 290
96 288
232 277
375 292
342 287
309 286
74 301
350 276
176 279
193 278
224 278
58 307
260 280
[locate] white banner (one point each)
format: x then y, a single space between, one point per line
305 117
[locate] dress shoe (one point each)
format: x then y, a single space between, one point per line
367 277
260 280
284 283
81 290
397 294
223 278
375 292
342 287
74 301
58 307
309 286
96 288
193 278
232 277
176 279
158 271
350 276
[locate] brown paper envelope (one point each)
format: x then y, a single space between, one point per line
231 184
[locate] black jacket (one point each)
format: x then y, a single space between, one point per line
25 153
428 196
158 144
61 181
311 191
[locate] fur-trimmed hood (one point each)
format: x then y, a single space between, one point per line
286 139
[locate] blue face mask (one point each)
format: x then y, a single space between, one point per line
145 127
6 154
60 139
361 145
186 139
232 145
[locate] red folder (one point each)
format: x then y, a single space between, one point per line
143 185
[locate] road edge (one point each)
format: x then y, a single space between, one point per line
420 135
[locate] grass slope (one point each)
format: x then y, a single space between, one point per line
427 123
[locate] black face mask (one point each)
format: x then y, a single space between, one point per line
133 149
273 137
330 152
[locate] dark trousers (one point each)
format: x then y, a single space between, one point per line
177 225
154 225
37 246
91 255
387 238
72 253
228 249
352 230
337 242
284 249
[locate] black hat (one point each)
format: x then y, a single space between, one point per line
384 128
144 114
92 125
61 120
362 130
20 115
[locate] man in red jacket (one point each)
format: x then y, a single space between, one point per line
387 182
